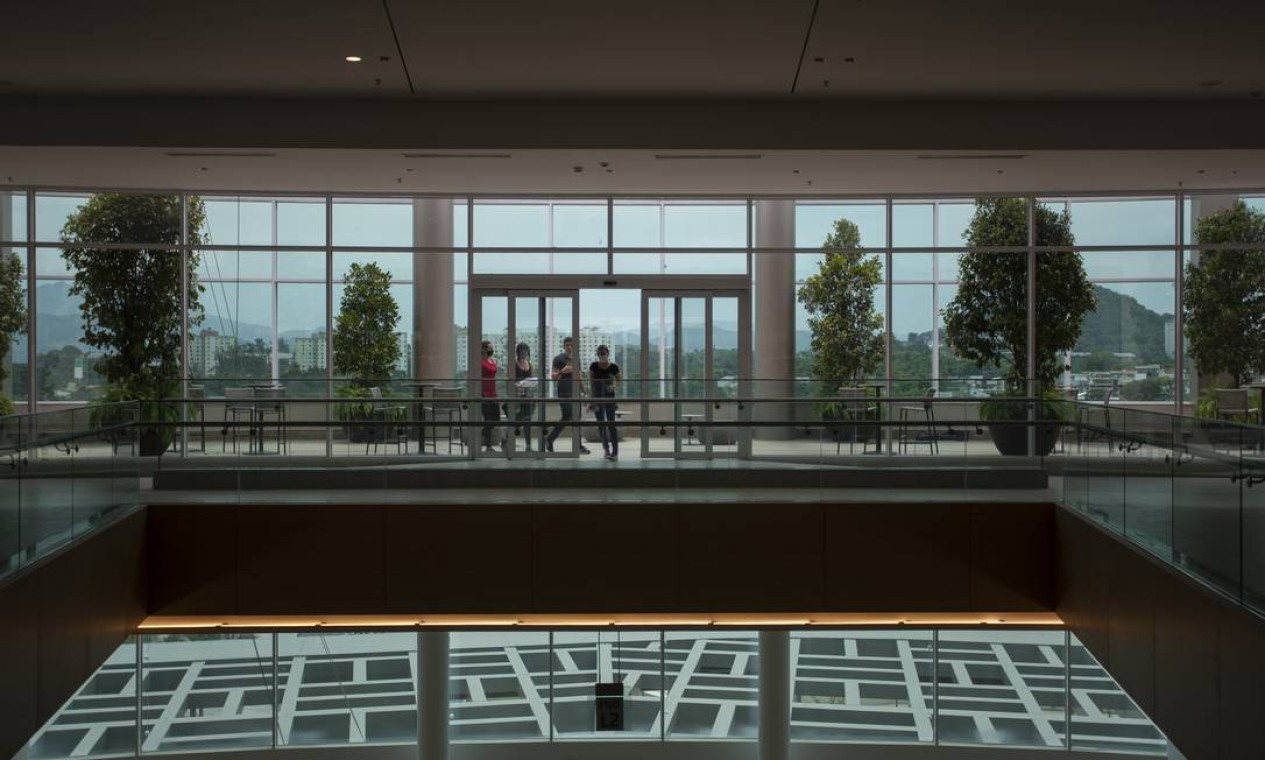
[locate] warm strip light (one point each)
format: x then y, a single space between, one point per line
643 620
352 59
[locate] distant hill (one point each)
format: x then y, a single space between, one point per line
1121 324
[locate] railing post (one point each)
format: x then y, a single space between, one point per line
432 695
774 738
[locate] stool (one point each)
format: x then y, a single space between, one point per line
929 417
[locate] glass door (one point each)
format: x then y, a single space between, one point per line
694 366
536 402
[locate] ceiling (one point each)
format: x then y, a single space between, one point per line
535 172
850 55
650 48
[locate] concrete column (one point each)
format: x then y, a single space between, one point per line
774 740
432 291
432 695
774 364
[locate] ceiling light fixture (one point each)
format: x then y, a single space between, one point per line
708 156
218 154
973 157
456 155
352 59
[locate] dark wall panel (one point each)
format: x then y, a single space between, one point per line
901 556
1131 628
1186 670
625 558
1241 667
19 662
62 617
196 559
1013 557
558 558
1192 659
751 556
298 558
446 558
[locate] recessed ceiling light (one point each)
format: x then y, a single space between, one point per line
352 59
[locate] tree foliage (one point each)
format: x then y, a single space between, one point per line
1224 297
847 330
365 346
987 321
131 297
12 315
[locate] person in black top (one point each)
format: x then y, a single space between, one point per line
523 410
564 375
604 375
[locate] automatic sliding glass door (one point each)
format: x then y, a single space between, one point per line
694 366
533 412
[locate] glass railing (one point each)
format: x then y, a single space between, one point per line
62 475
1190 491
216 691
652 419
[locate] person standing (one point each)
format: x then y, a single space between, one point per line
491 409
562 372
523 390
604 375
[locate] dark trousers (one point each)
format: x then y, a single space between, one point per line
491 416
605 414
567 414
522 419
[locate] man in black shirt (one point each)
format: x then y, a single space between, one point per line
563 373
604 374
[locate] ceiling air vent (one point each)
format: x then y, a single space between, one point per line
457 155
974 157
219 154
708 156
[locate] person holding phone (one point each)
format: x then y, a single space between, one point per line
604 376
563 374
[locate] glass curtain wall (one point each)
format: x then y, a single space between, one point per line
14 299
271 273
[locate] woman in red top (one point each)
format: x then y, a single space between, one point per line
491 409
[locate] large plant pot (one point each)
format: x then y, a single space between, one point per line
1012 440
362 432
152 441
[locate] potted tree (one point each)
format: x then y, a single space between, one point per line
12 318
1224 295
847 331
1224 308
365 347
986 322
131 305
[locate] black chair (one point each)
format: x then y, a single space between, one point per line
390 423
270 407
445 402
238 403
909 414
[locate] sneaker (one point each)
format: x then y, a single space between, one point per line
610 457
584 450
548 447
